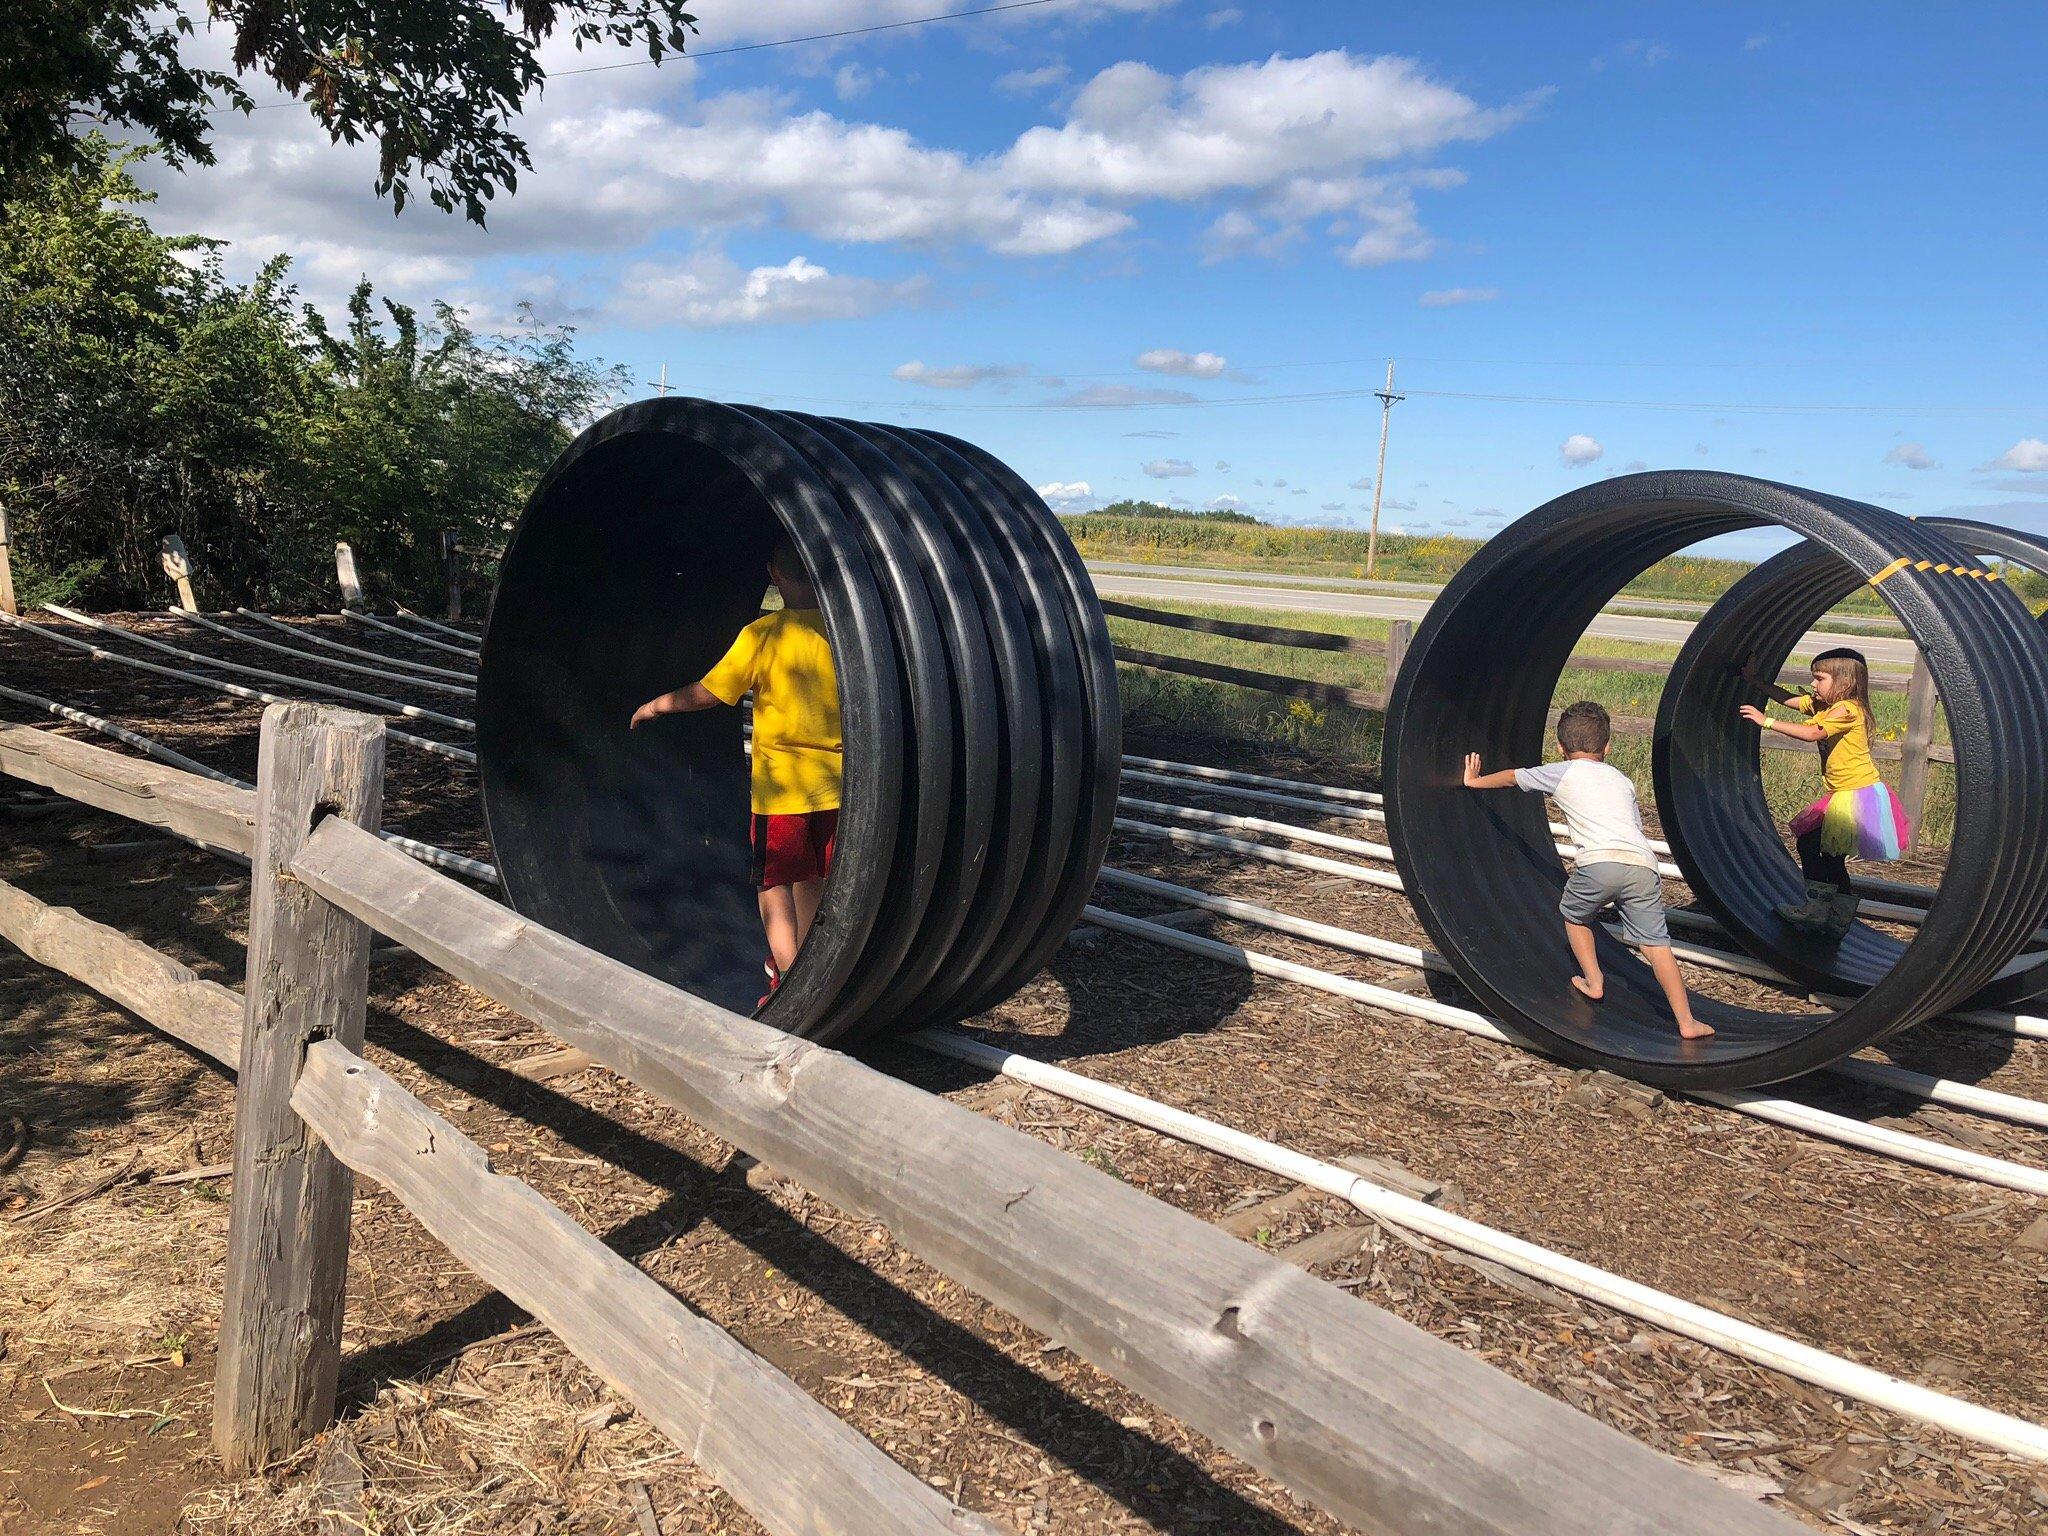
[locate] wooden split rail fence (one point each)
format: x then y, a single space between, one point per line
1914 753
1354 1410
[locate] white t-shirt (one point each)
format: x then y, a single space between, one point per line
1599 806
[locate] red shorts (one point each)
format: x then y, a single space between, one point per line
789 850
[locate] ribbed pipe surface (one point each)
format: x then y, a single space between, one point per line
977 695
1482 869
1728 841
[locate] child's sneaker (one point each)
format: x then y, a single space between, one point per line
774 981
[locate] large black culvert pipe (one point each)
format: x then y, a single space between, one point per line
977 694
1725 839
1483 870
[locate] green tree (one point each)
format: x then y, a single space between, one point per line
142 393
435 83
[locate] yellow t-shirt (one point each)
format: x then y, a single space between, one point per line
1845 761
785 660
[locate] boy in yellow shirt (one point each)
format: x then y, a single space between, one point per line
785 660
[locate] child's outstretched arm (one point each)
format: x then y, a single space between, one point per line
1762 684
1790 728
1503 778
680 701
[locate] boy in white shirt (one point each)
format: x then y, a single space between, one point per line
1615 864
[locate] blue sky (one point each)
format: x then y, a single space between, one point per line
1101 236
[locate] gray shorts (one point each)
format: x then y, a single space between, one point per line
1637 893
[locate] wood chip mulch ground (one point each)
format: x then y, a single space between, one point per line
460 1416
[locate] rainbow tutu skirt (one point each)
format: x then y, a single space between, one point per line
1856 823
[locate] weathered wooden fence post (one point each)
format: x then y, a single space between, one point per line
451 565
7 602
1913 758
178 566
1399 633
345 573
280 1335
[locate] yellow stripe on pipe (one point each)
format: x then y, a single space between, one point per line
1893 569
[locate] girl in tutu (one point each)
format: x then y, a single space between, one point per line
1858 817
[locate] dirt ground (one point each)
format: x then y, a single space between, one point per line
465 1418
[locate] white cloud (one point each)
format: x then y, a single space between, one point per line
1579 449
1225 504
1124 395
1187 365
1754 41
1442 298
958 375
1269 151
852 81
1910 456
1152 432
712 290
1636 466
1635 51
1701 449
1279 485
1168 469
2029 456
1228 16
1333 506
1068 495
1223 466
1028 82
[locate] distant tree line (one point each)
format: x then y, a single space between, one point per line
1155 509
142 393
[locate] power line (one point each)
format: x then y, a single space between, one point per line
773 42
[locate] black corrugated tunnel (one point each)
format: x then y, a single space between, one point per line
977 695
1730 841
1483 870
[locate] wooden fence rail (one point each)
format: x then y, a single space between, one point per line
1353 1409
1915 753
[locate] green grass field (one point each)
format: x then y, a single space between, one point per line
1227 712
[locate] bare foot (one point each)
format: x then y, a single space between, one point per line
1594 987
1693 1029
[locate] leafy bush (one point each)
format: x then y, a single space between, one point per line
142 393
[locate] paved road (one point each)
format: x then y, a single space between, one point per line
1239 576
1886 654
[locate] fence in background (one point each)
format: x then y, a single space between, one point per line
1914 752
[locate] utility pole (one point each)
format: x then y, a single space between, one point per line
1388 399
661 388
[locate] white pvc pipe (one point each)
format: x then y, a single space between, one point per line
1284 829
1262 781
1922 1085
318 660
98 653
1668 870
465 652
148 746
1901 1145
375 701
435 624
1260 851
312 637
1761 1346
